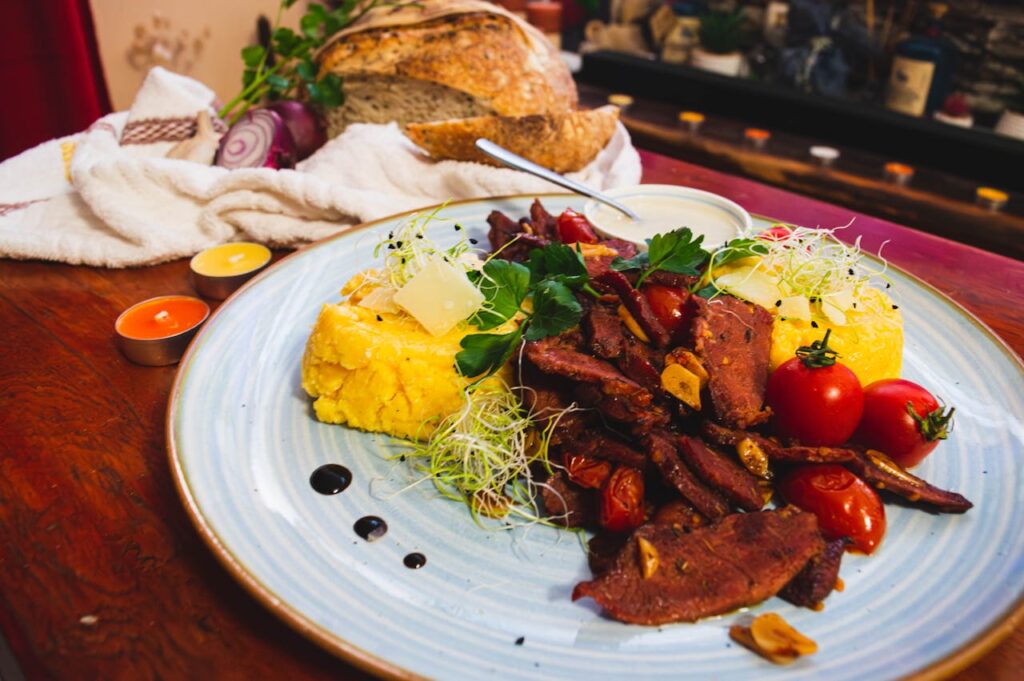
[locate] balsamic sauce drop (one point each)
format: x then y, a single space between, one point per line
370 527
414 561
330 478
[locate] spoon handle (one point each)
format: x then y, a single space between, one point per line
506 157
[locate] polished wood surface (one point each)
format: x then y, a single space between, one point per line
102 575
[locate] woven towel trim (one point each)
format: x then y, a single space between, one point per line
6 208
152 130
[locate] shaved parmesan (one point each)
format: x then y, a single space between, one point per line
439 296
750 284
381 299
794 307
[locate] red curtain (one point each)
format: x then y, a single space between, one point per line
50 72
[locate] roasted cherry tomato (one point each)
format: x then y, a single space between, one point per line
815 399
776 233
669 304
622 500
586 471
574 227
903 421
846 506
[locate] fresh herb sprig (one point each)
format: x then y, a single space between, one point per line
285 68
548 281
676 251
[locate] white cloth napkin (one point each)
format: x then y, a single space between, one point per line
108 197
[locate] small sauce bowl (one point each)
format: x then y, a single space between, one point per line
219 270
155 332
665 207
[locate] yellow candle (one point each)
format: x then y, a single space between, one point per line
229 260
218 271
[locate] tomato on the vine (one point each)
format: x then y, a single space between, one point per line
574 228
815 399
845 505
669 304
776 233
903 421
622 500
586 471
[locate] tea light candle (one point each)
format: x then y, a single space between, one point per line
691 119
757 137
218 271
899 173
991 198
156 332
825 156
621 101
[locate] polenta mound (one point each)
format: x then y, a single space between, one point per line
381 372
870 343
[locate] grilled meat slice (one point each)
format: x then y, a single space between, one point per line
568 504
604 329
599 445
503 229
637 305
545 225
732 338
881 472
775 450
742 560
661 448
721 473
643 364
680 515
818 578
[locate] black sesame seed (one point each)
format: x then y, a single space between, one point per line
778 303
398 244
402 457
379 318
458 228
391 235
855 306
403 261
473 241
814 325
521 640
895 307
850 271
888 285
419 236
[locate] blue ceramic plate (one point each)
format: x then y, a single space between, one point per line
243 443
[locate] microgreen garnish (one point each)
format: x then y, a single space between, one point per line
549 279
406 250
676 251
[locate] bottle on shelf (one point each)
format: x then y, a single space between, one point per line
922 68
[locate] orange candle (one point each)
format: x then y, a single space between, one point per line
156 332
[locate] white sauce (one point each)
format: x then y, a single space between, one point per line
660 214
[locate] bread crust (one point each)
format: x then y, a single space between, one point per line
473 47
563 142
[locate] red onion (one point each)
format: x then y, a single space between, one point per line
259 139
303 123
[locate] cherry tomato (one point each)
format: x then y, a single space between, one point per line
574 227
902 420
845 505
622 500
817 405
669 304
586 471
776 233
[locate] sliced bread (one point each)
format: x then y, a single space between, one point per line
563 142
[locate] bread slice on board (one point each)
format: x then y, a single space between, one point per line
563 142
442 59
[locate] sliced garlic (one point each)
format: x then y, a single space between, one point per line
632 324
682 384
753 457
649 560
773 638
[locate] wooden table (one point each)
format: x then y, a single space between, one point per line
102 575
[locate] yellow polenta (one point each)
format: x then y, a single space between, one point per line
381 372
870 343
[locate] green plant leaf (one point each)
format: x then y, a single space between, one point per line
737 249
504 286
327 90
248 76
558 262
677 252
286 41
307 71
278 82
485 353
637 262
252 55
555 310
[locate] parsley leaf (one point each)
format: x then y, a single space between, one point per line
637 262
737 249
558 262
555 310
504 286
677 252
484 353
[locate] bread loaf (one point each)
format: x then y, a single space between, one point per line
563 142
442 59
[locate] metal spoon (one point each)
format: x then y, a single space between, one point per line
506 157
